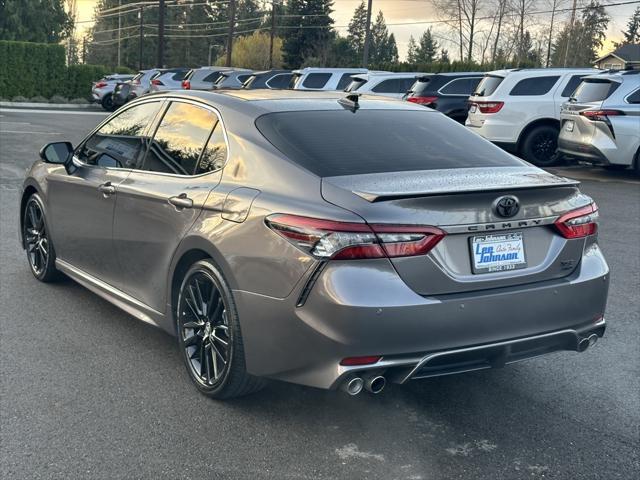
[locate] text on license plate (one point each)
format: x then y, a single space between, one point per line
496 253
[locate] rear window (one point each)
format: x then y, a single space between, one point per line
178 76
355 84
345 80
243 78
488 85
189 75
392 85
316 80
279 81
460 86
594 90
212 77
339 142
634 97
534 86
420 86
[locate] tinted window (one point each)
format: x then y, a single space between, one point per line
340 142
215 153
405 84
212 77
189 75
594 90
345 80
120 142
243 78
487 85
179 140
534 86
294 80
178 76
634 97
460 86
279 81
421 85
571 85
355 84
316 80
391 85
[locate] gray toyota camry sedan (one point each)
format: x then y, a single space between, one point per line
326 240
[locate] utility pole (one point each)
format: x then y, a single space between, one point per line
367 36
573 18
119 27
140 41
553 14
273 32
161 34
232 23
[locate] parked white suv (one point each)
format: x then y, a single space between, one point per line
387 84
519 109
601 121
315 78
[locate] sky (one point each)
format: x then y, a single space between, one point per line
405 11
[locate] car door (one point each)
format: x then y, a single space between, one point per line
81 203
158 203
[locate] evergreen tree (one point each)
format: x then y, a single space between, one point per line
392 49
444 56
383 48
44 21
412 50
632 33
428 48
357 29
309 33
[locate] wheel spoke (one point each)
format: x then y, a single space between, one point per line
218 339
192 340
203 306
32 215
216 312
215 364
206 359
193 325
215 349
194 305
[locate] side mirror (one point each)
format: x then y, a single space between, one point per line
56 152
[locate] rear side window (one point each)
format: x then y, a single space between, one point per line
571 86
534 86
634 97
594 90
212 77
214 155
279 81
488 85
180 139
460 86
316 80
243 78
178 76
339 142
345 80
122 141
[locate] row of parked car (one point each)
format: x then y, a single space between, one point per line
538 114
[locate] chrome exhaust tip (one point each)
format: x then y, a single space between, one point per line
374 383
352 386
593 338
587 342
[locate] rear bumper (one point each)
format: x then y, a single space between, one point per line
582 151
363 308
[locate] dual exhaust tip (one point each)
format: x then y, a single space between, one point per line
587 342
371 383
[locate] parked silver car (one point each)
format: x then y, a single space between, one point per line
601 121
233 79
170 79
141 83
203 78
102 90
320 239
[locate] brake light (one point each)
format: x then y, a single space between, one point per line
186 85
328 239
156 82
600 115
488 107
422 100
579 223
101 84
354 361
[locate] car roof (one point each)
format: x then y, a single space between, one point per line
260 101
534 72
370 75
618 76
329 70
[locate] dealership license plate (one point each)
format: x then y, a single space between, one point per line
569 126
473 108
497 253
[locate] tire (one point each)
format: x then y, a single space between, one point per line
38 245
107 103
636 163
540 146
217 371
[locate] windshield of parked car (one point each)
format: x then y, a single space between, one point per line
340 142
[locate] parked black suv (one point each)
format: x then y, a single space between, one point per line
445 92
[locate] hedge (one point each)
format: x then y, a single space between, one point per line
38 69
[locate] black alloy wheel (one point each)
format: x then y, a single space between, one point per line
39 248
540 146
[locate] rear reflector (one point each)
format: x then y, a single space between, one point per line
354 361
579 223
488 107
422 100
329 239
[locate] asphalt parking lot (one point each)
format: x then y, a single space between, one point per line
89 392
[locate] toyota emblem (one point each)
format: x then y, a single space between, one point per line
507 206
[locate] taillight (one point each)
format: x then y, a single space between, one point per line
156 82
186 85
422 100
579 223
600 115
328 239
488 107
101 84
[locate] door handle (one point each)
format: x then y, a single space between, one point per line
107 189
181 201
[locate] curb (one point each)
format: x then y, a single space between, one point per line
56 106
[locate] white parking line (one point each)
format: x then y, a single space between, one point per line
57 112
26 131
